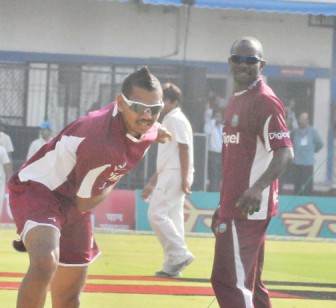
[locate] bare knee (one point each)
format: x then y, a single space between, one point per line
42 243
44 264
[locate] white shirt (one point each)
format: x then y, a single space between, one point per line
6 142
214 133
35 146
168 153
4 159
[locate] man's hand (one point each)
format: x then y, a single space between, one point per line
250 201
163 134
146 192
186 187
87 204
148 189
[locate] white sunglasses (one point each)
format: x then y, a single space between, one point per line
141 108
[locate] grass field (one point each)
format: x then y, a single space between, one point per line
128 262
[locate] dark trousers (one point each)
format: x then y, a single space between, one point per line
214 170
303 179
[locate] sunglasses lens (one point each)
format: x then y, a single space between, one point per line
236 59
140 109
241 59
156 109
251 60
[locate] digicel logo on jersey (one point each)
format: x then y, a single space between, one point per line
278 135
234 138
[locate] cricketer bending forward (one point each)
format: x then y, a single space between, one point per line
52 194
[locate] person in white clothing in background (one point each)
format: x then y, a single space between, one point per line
214 130
5 173
167 188
5 140
45 136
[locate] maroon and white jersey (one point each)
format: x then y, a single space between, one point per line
254 126
90 154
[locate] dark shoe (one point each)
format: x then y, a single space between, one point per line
19 246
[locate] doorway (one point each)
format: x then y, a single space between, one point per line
302 91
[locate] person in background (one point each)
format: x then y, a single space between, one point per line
6 142
210 106
45 136
213 129
169 185
256 151
52 194
306 142
291 120
5 173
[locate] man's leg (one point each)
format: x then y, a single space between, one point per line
42 244
261 297
236 256
166 199
297 179
228 272
308 180
67 285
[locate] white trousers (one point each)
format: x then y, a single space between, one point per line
166 216
2 197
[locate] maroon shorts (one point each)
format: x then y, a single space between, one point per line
37 203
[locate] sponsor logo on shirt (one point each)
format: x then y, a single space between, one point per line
278 135
233 138
234 120
117 173
221 228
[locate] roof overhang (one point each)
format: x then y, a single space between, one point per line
312 7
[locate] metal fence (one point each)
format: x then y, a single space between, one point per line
61 92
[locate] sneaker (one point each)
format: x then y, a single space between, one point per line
181 266
163 274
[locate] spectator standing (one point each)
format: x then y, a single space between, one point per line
306 142
52 194
256 151
5 173
214 130
292 122
45 136
5 140
169 185
210 106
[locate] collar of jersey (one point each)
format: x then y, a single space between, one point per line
250 87
129 136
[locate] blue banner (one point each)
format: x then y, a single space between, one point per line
311 217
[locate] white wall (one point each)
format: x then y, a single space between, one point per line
144 31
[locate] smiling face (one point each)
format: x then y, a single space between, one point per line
138 124
244 72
